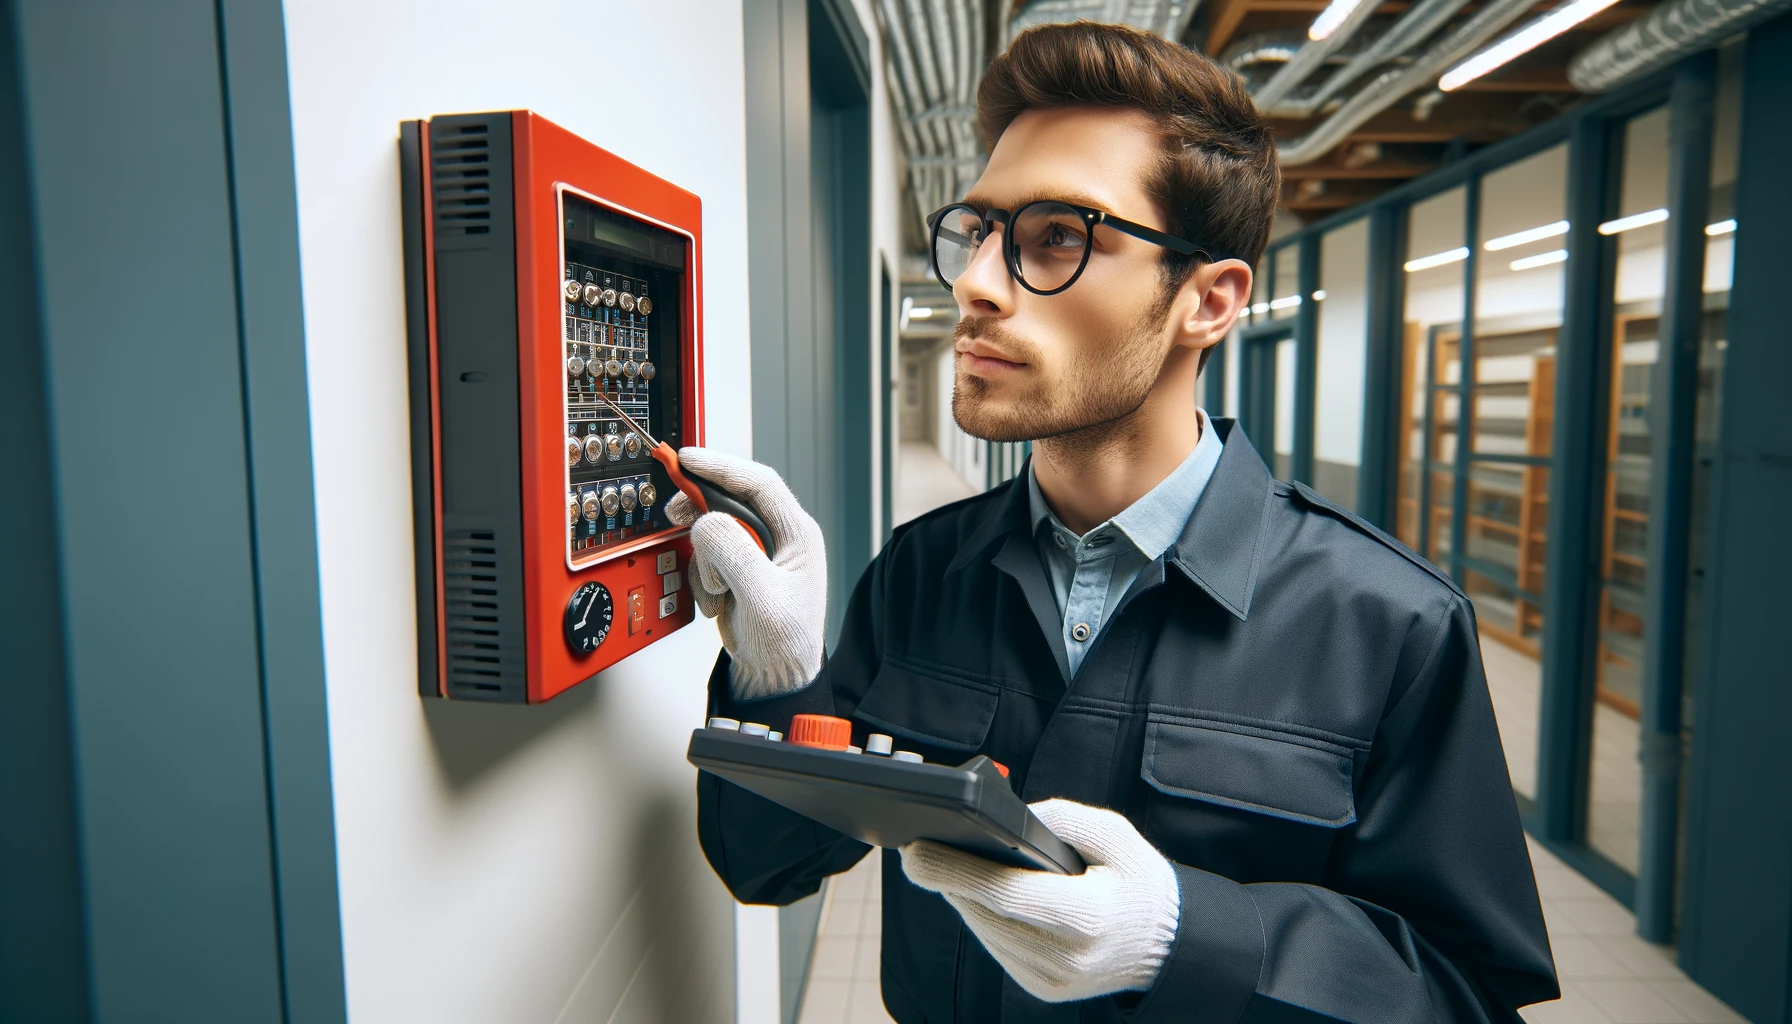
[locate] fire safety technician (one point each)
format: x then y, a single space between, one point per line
1262 721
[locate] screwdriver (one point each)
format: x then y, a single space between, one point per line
704 495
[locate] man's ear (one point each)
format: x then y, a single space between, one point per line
1211 300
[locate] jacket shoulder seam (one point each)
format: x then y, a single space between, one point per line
1394 544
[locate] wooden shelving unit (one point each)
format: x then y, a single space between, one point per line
1510 517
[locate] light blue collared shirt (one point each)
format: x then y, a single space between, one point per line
1089 574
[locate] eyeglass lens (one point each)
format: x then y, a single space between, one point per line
1051 242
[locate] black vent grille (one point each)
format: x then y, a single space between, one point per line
461 167
476 654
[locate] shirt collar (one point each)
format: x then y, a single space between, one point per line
1219 550
1155 521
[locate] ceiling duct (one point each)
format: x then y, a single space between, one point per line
1413 28
1313 56
936 51
1664 35
1390 87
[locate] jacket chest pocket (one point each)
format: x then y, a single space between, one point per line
1248 802
929 704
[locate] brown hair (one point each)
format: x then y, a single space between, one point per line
1219 183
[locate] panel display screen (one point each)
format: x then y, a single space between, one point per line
623 289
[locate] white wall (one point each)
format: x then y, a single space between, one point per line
503 863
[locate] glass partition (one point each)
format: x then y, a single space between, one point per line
1427 429
1343 321
1639 231
1518 314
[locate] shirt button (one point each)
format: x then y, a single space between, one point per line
1079 632
1060 539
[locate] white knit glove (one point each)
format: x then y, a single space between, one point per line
771 611
1065 937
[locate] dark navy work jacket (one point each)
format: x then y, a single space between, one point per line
1289 704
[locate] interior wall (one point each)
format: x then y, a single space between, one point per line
504 863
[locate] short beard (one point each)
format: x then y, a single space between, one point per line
1101 388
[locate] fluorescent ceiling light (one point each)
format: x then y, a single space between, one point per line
1285 302
1542 259
1455 255
1330 18
1635 220
1523 41
920 312
1560 227
1722 227
1319 296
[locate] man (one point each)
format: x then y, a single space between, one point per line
1261 721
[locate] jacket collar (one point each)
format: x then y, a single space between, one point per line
1220 546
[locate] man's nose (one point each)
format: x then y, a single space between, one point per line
985 288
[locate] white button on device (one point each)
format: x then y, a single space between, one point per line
668 605
854 750
906 755
775 736
1079 632
667 562
670 582
754 729
724 723
878 743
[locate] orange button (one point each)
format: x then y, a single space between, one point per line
1000 767
824 731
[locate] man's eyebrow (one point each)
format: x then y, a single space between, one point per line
983 204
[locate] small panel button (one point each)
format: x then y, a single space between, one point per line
668 606
667 561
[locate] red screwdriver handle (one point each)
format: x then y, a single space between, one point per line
705 496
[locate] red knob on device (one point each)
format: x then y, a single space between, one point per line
824 731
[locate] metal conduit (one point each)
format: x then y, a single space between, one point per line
1392 86
1667 33
1311 56
1414 27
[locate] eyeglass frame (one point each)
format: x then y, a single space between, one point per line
1011 249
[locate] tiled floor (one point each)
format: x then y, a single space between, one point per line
843 987
1608 975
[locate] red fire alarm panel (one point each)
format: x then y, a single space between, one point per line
543 276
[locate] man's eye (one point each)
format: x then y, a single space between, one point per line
1059 235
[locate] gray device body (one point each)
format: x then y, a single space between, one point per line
889 803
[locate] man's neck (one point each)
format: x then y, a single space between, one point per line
1094 474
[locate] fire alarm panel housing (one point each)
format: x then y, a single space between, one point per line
542 272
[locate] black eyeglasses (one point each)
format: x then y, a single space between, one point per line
1045 243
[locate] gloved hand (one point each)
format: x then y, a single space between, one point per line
1065 937
771 612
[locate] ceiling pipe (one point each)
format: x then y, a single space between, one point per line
1262 48
1664 35
1391 86
1413 28
1312 56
